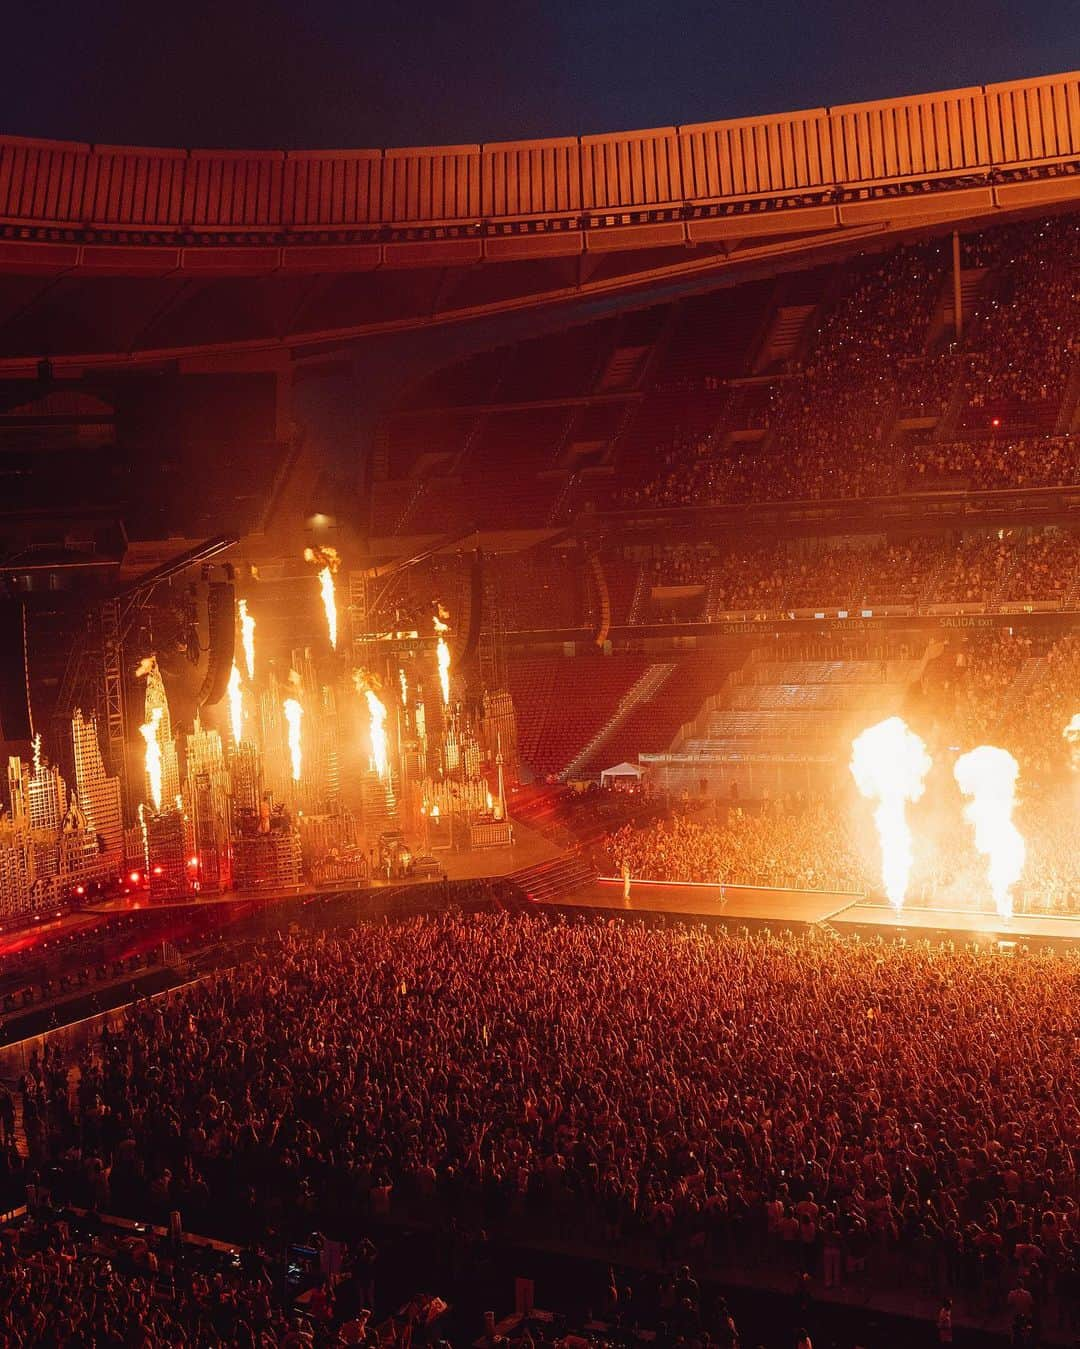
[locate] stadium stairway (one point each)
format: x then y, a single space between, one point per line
547 882
641 691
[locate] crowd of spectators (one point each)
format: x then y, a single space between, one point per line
830 844
990 567
1026 330
804 845
857 1111
874 357
986 464
64 1291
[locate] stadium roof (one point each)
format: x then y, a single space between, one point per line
128 255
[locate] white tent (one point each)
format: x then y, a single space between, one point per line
622 772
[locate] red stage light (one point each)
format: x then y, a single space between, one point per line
995 421
159 871
134 878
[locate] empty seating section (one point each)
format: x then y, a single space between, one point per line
540 591
800 708
832 672
562 702
621 576
465 384
714 336
388 503
652 725
411 438
561 365
523 440
812 697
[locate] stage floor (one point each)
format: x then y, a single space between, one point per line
962 922
845 912
703 901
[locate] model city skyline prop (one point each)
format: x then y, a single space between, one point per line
297 774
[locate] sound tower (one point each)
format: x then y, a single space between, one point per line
476 609
221 624
14 709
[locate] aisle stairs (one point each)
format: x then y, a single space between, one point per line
548 882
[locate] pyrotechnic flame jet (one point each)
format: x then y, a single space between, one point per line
442 654
367 685
1072 736
247 638
330 563
293 714
889 763
147 669
987 776
149 733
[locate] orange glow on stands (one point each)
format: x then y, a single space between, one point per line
149 732
293 714
247 638
987 775
236 705
330 563
889 763
404 688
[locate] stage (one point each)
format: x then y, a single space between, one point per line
848 913
961 924
755 903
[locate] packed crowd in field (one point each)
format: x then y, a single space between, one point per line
856 1111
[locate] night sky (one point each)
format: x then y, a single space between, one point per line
335 73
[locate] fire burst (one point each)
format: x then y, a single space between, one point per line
247 638
293 714
1072 737
149 733
236 705
369 686
330 563
378 731
988 776
442 655
889 763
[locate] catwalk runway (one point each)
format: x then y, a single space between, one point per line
705 901
961 923
847 913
